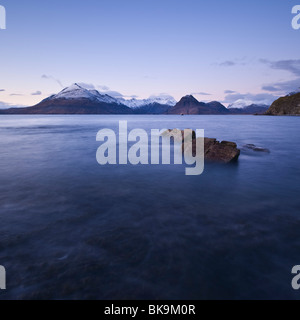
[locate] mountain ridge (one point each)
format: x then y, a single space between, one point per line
76 99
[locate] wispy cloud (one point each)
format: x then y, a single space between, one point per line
103 87
292 66
283 87
250 98
37 93
229 91
241 61
114 94
16 94
48 77
227 63
2 90
201 93
88 86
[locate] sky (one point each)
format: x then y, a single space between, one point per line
216 50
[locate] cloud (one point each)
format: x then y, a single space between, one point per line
292 66
1 90
161 95
269 88
44 76
37 93
227 64
16 94
88 86
283 87
102 87
201 93
114 94
250 98
229 91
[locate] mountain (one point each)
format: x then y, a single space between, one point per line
252 109
75 100
153 108
164 100
289 105
78 100
190 105
153 105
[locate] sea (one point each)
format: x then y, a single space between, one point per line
73 229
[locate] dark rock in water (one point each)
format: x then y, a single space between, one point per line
255 148
214 151
224 152
178 134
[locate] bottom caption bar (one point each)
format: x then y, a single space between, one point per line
141 309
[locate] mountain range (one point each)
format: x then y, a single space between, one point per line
78 100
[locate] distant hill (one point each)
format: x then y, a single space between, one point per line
189 105
252 109
289 105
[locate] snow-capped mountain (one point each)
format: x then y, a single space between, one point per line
75 91
240 104
163 100
78 100
137 103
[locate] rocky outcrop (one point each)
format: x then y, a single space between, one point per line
289 105
223 152
214 151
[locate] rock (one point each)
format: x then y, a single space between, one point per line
214 151
176 132
255 148
224 152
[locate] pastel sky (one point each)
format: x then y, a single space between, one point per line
215 50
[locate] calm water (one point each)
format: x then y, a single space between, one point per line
73 229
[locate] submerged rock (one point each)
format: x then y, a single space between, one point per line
214 151
255 148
